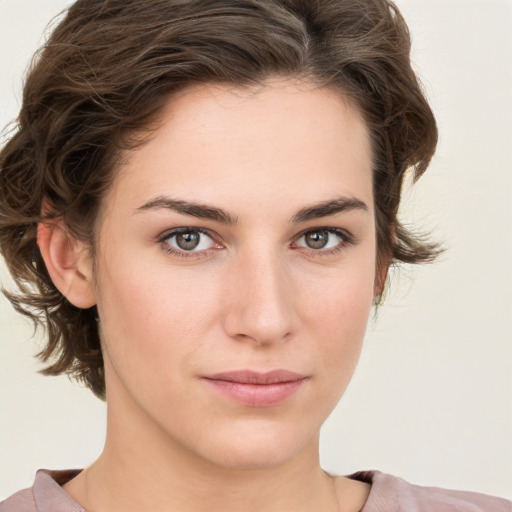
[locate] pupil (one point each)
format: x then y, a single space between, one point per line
317 239
188 240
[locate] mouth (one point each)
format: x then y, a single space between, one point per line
254 389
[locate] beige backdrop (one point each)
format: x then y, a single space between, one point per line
431 400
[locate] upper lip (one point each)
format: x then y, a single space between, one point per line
254 377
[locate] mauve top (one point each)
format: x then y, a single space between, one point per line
388 494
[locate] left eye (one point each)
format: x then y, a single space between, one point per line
320 239
189 240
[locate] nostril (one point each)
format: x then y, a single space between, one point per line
259 305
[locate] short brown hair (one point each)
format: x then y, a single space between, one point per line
108 67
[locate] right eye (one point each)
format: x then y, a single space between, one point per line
187 240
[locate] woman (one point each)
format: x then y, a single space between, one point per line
205 196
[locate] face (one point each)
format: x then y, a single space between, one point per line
236 270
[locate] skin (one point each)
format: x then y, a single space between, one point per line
253 295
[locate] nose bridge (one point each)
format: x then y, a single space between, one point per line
261 299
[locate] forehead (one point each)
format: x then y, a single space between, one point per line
285 140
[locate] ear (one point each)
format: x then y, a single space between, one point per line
68 262
384 259
380 282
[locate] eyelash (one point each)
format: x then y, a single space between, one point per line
345 239
184 254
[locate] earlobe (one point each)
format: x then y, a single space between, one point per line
68 262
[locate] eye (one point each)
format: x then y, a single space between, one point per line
324 239
185 240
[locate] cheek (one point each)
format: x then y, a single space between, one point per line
343 327
336 312
153 317
342 297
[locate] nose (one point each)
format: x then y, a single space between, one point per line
259 303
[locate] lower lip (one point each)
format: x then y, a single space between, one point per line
257 395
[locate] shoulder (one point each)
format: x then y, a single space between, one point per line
45 495
22 501
392 494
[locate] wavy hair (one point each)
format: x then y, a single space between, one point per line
109 66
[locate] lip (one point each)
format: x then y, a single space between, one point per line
255 389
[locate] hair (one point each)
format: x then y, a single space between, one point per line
110 65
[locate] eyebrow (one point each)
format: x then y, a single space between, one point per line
203 211
193 209
327 208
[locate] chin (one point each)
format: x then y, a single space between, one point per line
256 444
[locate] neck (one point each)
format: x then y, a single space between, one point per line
112 485
141 468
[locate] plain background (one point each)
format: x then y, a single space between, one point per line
431 400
